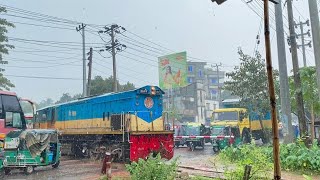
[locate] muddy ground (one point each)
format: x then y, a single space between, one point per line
197 162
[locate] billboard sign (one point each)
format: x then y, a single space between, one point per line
173 70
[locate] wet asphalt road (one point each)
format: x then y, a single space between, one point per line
81 169
198 157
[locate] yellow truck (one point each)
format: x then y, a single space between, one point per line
244 123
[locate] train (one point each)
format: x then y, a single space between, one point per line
130 125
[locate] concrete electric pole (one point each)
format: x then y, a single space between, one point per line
296 74
84 87
90 70
314 19
283 76
114 48
114 67
301 35
218 81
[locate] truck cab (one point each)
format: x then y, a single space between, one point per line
235 118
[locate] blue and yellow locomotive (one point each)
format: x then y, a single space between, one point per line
129 124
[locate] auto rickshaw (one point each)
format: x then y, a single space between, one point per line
224 138
194 129
27 149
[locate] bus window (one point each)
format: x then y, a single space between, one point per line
9 120
13 119
17 123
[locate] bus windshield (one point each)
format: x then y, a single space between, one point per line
225 116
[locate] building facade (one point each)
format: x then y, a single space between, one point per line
196 101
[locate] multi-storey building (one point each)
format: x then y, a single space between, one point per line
196 101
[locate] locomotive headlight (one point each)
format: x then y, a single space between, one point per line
153 90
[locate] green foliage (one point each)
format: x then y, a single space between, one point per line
309 89
101 86
5 83
4 24
249 82
247 155
154 168
103 178
306 177
293 157
297 156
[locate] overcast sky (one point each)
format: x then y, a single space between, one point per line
205 30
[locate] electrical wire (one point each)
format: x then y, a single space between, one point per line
42 77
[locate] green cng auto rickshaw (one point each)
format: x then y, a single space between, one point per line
225 136
193 130
27 149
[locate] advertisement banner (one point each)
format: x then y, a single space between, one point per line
173 70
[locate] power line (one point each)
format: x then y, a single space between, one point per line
43 16
31 61
43 66
59 57
42 77
39 25
69 43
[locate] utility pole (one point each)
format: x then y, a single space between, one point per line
296 74
84 87
283 76
302 34
276 150
219 88
90 70
314 18
114 48
115 83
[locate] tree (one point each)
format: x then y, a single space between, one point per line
227 95
101 86
45 103
5 83
249 82
64 98
310 93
